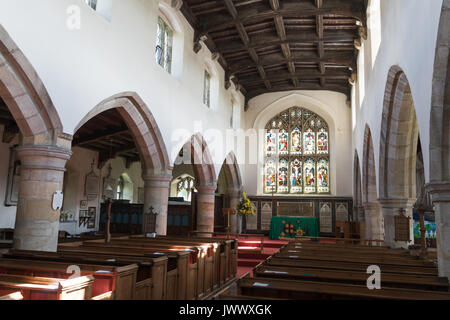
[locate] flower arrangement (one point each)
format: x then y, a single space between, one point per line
246 207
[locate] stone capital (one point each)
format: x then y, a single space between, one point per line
157 180
42 157
371 206
397 203
439 190
207 189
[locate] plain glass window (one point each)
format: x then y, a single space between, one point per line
164 45
91 3
207 89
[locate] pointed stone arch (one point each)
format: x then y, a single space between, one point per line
156 169
201 160
26 97
440 104
398 139
43 153
196 153
357 190
369 179
373 218
143 126
232 173
230 169
439 186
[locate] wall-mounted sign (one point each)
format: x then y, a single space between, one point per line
57 200
266 215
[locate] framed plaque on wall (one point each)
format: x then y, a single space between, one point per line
402 228
13 182
325 218
342 211
266 215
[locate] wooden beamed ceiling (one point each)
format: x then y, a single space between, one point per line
7 120
108 134
281 45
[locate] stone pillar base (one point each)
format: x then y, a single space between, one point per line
440 192
235 198
390 209
42 174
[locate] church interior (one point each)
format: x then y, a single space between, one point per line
225 150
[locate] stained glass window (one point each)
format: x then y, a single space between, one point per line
297 153
270 176
283 176
164 41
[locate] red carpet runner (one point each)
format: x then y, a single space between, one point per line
248 257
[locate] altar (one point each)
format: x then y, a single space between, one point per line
287 227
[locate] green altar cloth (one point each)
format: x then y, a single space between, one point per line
287 227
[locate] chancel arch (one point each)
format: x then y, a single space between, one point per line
30 118
398 153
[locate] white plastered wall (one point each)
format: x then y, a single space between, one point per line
408 39
80 68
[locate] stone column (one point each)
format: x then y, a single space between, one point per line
372 222
205 208
41 175
361 219
440 192
156 196
391 208
235 198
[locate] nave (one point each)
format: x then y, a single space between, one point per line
176 268
224 149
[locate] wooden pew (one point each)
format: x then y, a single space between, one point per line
151 277
119 279
177 281
357 266
377 260
230 252
209 265
203 263
363 257
12 296
224 250
335 248
227 256
418 282
295 289
339 243
39 288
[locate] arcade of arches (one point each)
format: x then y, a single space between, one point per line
347 137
